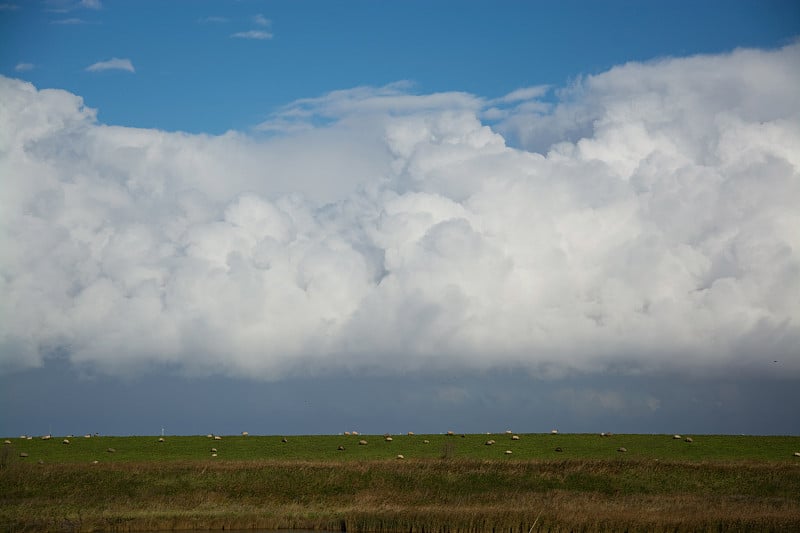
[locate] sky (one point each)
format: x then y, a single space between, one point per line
316 217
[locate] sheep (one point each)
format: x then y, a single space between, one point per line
797 454
95 462
29 438
388 439
111 450
347 433
688 439
554 432
87 436
23 437
677 437
509 452
340 448
245 434
558 449
362 443
426 441
47 437
488 442
6 441
213 455
213 450
410 433
514 437
284 440
217 437
400 456
450 433
210 436
65 441
23 454
354 433
509 432
160 439
622 450
40 461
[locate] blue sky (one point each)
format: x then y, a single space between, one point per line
191 75
399 216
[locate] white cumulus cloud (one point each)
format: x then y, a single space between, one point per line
112 64
647 224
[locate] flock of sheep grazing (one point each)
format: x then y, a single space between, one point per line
361 442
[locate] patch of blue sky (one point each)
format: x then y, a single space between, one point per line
206 66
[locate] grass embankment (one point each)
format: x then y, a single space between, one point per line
451 484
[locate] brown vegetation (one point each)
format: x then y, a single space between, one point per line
408 496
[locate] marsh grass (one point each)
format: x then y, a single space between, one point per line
726 483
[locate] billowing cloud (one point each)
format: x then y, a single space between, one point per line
647 224
259 35
112 64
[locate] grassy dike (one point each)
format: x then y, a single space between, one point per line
448 485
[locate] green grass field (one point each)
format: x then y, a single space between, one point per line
451 484
325 447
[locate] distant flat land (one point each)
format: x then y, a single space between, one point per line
448 484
